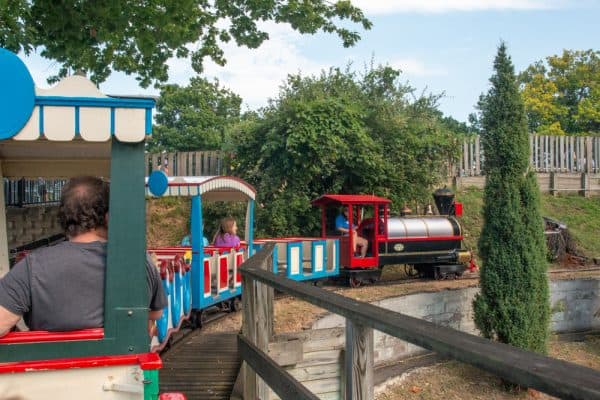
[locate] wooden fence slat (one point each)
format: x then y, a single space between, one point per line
477 155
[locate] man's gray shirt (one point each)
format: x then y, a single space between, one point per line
61 288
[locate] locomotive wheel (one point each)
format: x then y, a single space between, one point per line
235 304
354 282
437 275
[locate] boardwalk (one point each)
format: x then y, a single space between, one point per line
202 366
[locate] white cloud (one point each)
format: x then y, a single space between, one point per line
415 67
254 74
379 7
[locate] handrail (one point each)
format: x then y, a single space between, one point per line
282 383
552 376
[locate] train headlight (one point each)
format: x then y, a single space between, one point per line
398 247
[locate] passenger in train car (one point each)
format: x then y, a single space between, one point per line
227 236
61 288
343 226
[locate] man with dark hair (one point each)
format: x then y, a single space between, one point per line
61 288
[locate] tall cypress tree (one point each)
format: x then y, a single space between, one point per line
513 305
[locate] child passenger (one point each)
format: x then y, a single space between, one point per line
227 234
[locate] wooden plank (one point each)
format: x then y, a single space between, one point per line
588 155
477 154
286 353
552 153
465 159
4 261
316 372
358 364
285 385
555 377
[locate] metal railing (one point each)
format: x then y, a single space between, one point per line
532 370
23 192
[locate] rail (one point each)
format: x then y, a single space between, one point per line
549 375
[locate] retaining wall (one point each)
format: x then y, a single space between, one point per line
575 306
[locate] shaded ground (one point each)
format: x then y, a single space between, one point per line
454 380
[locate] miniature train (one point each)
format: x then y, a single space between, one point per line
430 246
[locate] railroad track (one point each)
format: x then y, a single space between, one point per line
202 366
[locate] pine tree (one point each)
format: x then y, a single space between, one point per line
513 305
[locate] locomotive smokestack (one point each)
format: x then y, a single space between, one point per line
444 201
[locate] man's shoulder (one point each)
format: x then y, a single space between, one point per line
67 248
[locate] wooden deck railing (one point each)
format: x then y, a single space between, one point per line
549 375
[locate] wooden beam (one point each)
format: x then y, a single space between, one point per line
358 363
53 168
4 261
257 322
282 383
555 377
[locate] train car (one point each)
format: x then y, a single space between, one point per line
68 130
430 245
200 279
203 279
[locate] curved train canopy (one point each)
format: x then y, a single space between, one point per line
65 130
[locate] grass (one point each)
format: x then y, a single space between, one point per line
581 215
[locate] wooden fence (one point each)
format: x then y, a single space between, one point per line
552 376
189 163
562 154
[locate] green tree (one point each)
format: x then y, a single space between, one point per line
340 133
138 37
194 117
513 306
562 95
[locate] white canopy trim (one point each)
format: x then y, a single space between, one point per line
75 108
211 188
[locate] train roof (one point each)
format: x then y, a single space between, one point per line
343 199
66 129
211 188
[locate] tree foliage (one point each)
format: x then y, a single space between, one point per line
138 37
194 117
562 95
513 305
340 133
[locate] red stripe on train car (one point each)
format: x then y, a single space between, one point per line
424 239
45 336
146 361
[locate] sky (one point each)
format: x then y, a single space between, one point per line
441 46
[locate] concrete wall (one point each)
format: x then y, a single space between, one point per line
27 224
575 306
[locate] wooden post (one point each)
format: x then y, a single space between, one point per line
257 327
358 362
553 183
4 261
465 169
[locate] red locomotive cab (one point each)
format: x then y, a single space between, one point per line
367 216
